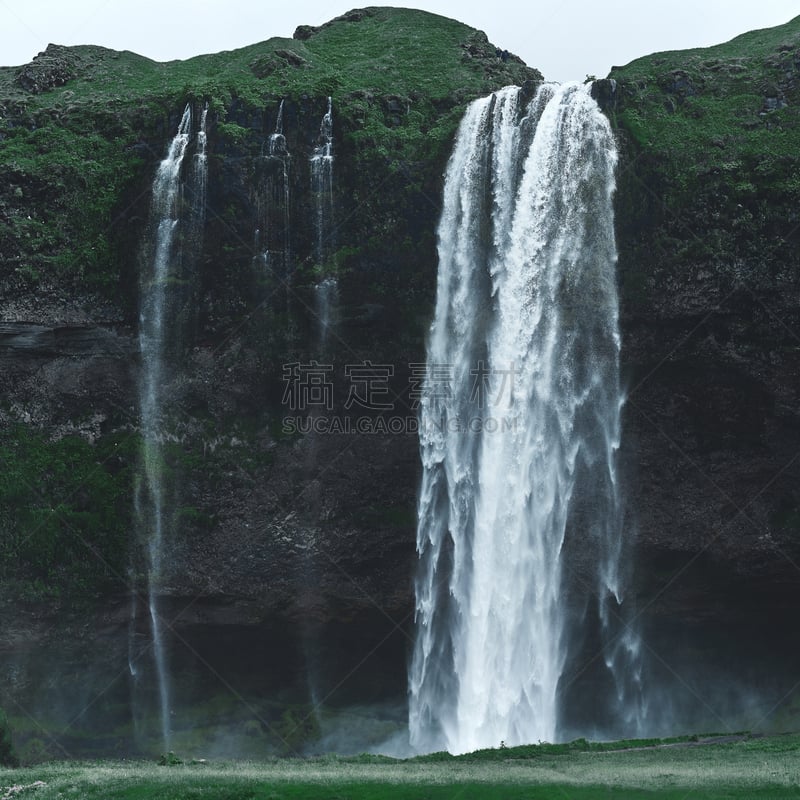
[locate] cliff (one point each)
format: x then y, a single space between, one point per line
708 236
297 550
83 130
293 549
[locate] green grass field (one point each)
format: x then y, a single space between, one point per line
750 767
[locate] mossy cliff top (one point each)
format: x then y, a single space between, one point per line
710 175
719 109
378 49
81 127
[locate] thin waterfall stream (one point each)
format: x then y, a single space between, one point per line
157 335
273 204
322 186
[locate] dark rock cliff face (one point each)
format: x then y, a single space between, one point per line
290 556
710 273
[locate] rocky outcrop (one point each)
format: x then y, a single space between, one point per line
53 67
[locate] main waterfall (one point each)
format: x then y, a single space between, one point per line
520 530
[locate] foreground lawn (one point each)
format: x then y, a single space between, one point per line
768 768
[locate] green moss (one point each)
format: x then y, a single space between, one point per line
710 175
65 511
8 757
711 108
76 151
68 179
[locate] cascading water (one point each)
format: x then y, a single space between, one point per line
273 234
200 181
327 301
327 290
519 527
154 336
277 149
322 186
277 223
325 312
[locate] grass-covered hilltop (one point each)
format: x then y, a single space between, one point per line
715 150
81 125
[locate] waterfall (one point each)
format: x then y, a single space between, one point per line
322 186
200 181
277 149
326 293
155 324
327 300
519 534
273 236
276 138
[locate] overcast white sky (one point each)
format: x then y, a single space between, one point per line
565 39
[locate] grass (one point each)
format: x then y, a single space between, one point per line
389 50
706 113
763 767
710 164
710 104
76 156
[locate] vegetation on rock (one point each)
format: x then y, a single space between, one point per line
65 509
713 158
81 126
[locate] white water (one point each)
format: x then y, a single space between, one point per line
200 180
273 236
277 136
514 571
277 149
326 310
327 301
154 331
322 186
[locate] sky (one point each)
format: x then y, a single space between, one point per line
565 39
